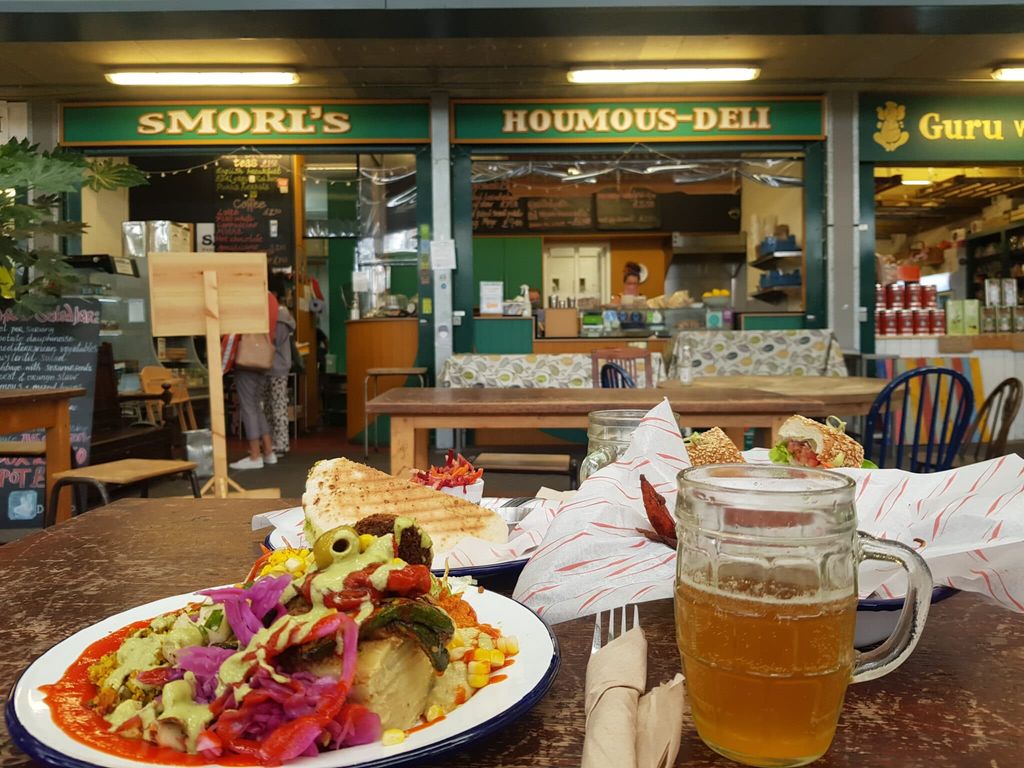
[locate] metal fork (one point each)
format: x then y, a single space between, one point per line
595 646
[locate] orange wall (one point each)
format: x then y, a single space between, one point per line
654 253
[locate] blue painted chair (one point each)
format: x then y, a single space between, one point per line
919 420
614 376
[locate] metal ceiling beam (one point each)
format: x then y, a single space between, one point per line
185 23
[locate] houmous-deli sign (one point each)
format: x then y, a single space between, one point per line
244 123
704 120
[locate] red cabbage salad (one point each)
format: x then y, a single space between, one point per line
317 650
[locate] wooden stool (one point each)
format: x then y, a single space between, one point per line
532 464
123 472
22 448
375 373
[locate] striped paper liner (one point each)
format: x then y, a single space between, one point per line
968 524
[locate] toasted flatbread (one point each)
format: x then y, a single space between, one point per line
712 446
833 447
339 492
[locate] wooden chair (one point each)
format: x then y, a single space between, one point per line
153 378
614 376
992 422
626 358
918 420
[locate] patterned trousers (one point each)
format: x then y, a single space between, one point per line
275 406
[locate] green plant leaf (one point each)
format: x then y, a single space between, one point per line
107 174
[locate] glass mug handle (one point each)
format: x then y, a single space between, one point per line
594 460
895 650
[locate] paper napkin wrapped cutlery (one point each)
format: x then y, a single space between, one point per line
624 728
616 677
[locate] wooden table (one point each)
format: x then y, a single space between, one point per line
951 705
23 410
415 411
847 396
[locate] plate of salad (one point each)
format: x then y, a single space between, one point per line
351 657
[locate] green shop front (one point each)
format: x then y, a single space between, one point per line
942 187
561 199
335 192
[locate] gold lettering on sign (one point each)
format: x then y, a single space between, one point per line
151 123
1018 126
180 121
268 120
705 119
591 120
933 128
336 122
642 119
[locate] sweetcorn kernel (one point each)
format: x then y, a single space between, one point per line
365 540
456 641
456 654
435 712
392 736
478 681
497 658
484 641
478 668
482 654
510 645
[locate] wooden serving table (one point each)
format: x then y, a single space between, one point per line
847 396
948 706
415 411
23 410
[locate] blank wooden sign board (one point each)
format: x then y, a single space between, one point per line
196 294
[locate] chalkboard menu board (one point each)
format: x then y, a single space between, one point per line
633 208
254 211
496 209
51 350
560 213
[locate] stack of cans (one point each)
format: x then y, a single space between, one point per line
908 309
1001 314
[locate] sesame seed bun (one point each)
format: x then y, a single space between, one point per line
712 447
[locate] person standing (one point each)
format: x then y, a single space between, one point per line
275 392
250 386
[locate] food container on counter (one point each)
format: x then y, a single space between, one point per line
912 295
929 296
922 324
988 320
904 322
1004 320
972 317
1009 291
472 492
938 319
993 292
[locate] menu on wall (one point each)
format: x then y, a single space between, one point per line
496 208
255 211
559 213
633 208
54 349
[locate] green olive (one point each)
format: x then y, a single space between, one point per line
337 544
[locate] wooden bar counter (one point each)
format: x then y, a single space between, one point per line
386 342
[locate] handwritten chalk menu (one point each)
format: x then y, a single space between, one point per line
633 208
255 209
51 350
496 209
560 213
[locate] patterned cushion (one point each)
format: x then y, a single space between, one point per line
809 352
567 371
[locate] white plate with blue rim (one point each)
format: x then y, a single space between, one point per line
511 511
493 708
877 617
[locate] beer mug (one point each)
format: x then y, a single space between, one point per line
766 603
608 436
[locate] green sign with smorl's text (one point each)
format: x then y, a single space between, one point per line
238 123
601 121
901 128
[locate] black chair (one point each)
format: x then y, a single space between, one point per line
992 425
918 420
614 376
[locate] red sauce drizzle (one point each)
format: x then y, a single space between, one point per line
69 699
425 724
497 679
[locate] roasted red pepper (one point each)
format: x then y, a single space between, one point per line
410 581
657 512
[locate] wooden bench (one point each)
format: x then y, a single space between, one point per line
123 472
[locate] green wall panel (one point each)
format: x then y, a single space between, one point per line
503 337
524 258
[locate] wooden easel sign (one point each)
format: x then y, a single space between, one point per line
197 294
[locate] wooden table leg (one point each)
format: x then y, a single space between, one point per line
58 456
421 448
403 444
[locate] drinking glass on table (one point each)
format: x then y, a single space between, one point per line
766 603
608 434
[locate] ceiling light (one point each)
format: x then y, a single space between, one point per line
1010 74
203 78
719 74
915 182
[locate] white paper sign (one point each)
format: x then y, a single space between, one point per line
492 295
442 254
360 282
205 241
136 310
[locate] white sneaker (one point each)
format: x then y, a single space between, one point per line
247 463
271 459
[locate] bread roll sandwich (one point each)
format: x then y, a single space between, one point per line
808 443
341 492
712 447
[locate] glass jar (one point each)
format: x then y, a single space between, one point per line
766 604
608 436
